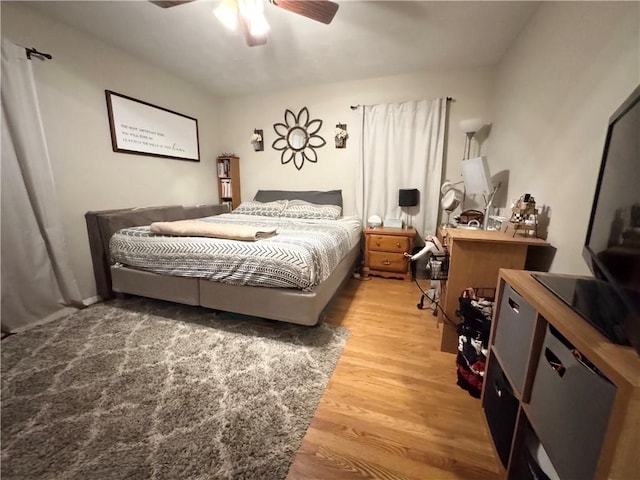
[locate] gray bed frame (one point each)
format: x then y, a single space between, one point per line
287 305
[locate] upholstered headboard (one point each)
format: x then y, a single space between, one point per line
330 197
101 225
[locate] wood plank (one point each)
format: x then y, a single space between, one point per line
392 409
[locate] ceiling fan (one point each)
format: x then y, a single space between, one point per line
250 14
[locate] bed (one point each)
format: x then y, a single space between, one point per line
226 274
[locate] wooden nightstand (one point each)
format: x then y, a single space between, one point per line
384 252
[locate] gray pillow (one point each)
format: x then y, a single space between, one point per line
330 197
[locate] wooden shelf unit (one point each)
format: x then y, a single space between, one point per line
563 423
228 172
475 257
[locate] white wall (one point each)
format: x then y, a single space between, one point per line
470 88
555 89
88 174
548 102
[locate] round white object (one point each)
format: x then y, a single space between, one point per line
446 186
374 221
451 199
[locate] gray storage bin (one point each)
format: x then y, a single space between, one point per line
570 407
516 321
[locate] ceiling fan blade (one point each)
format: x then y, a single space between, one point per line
169 3
318 10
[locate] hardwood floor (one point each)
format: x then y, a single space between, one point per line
392 409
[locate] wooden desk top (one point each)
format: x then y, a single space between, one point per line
490 236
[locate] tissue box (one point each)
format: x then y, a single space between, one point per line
392 223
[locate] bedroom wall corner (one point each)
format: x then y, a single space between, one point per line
87 173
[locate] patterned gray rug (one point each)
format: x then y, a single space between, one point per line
144 389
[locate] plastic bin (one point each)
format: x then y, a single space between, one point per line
570 407
501 409
514 334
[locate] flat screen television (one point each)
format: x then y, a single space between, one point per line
611 300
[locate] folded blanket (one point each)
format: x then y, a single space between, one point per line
198 228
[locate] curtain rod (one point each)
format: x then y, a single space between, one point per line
355 107
33 51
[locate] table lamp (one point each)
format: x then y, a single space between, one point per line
408 197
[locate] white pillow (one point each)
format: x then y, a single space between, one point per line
302 209
266 209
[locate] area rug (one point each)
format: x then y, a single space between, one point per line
145 389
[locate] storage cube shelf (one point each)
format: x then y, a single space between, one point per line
228 170
554 381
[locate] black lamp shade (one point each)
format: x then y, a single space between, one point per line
408 197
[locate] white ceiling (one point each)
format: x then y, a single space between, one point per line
366 39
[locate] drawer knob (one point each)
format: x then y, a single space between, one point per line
386 262
398 244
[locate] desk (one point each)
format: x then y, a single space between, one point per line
475 256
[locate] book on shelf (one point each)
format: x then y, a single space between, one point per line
225 188
223 168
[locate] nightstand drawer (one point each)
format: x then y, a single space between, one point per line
390 262
389 243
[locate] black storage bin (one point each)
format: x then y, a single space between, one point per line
525 465
527 468
500 408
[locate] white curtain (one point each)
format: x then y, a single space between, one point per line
36 276
402 146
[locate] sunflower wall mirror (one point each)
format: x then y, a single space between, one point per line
298 138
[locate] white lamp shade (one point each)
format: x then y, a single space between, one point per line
471 125
475 173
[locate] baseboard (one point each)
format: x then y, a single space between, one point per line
63 312
91 300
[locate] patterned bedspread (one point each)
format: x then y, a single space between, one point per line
301 255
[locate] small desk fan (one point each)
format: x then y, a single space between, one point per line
450 199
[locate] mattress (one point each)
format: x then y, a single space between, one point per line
301 255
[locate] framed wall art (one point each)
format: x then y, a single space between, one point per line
144 129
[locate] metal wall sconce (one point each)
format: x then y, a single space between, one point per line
341 135
257 140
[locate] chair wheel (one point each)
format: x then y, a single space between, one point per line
420 306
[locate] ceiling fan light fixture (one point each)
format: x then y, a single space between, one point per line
258 25
252 16
227 13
